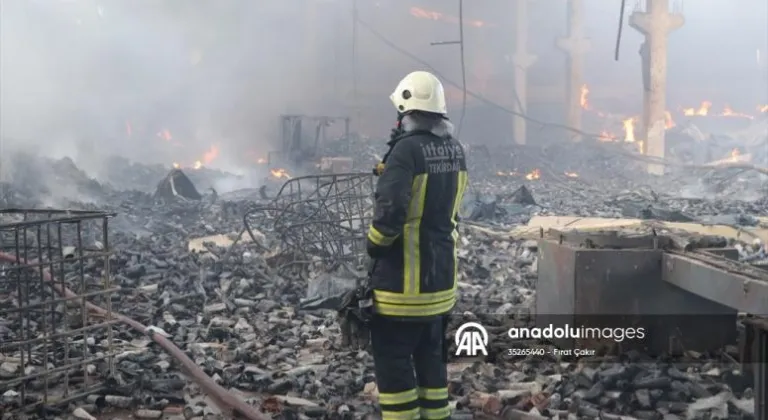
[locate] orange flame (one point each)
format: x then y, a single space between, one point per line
279 173
432 15
208 157
534 174
728 112
629 130
571 174
668 121
211 154
706 106
606 136
702 111
584 99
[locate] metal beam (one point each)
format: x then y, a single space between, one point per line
738 291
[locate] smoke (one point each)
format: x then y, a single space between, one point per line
165 81
156 82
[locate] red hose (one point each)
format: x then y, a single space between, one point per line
227 402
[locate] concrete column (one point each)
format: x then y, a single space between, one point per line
655 23
575 45
521 60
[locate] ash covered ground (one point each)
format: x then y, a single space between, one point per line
233 308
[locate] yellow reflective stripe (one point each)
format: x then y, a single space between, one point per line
379 238
415 310
385 296
398 397
400 415
461 187
435 413
433 393
411 240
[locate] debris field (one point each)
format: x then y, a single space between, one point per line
222 275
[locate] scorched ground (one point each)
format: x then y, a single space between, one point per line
232 306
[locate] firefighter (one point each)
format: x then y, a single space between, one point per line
412 242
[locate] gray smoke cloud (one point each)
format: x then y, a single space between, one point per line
165 81
156 82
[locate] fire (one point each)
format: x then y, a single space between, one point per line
702 111
211 154
584 99
629 130
606 136
432 15
279 173
571 174
762 108
426 14
534 174
728 112
706 107
208 157
668 121
734 155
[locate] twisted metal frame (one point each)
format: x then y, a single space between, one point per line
46 337
321 217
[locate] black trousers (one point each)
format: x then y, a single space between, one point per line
410 368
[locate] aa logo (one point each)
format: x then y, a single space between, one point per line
471 339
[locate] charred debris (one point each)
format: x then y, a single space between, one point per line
222 275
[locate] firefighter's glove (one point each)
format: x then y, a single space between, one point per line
378 169
354 334
354 319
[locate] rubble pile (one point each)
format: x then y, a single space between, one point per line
187 269
611 389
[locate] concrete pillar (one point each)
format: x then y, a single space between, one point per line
575 45
521 60
655 23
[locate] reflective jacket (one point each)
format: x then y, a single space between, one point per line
413 236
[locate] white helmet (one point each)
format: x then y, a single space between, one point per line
419 91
